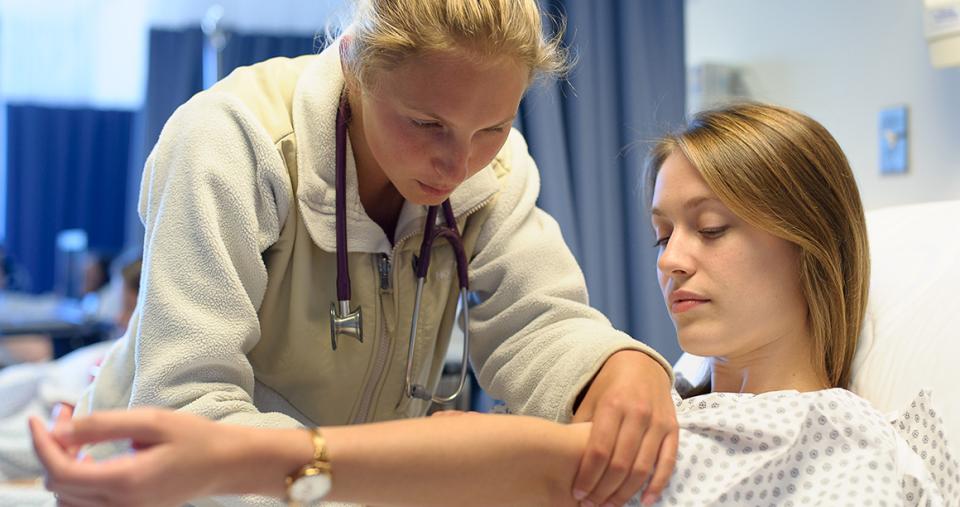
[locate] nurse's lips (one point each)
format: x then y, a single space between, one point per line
438 191
683 301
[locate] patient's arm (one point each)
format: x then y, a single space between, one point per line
475 459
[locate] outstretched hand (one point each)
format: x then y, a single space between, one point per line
170 449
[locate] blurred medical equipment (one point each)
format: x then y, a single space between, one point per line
942 27
214 40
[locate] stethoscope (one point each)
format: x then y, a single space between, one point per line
344 322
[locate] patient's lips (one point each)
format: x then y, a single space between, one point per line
684 300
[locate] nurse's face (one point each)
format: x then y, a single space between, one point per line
732 289
438 119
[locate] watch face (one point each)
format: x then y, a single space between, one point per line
310 488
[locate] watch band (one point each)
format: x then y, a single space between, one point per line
318 465
320 457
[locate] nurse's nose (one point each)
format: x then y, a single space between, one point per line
455 164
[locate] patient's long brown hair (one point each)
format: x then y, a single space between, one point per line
784 173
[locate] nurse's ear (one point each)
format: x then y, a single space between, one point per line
349 73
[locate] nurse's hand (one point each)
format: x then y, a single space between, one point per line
634 436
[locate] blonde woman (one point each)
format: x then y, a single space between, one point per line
763 265
285 212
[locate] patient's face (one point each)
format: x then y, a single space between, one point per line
732 289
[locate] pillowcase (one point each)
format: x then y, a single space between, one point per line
911 334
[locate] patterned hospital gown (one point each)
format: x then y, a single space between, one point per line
827 447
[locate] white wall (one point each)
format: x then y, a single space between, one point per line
841 62
93 52
73 52
274 16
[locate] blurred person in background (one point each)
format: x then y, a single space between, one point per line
38 389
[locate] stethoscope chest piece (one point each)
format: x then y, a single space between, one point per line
345 323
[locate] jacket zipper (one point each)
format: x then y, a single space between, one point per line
383 344
384 268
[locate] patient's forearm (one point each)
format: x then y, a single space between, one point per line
471 459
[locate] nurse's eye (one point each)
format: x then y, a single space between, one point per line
425 124
713 232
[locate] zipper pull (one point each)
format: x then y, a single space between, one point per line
383 266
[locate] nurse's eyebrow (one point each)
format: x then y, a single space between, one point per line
442 119
689 205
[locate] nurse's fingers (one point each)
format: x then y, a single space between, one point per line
596 456
645 462
666 462
623 464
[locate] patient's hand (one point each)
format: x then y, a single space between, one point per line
59 417
198 456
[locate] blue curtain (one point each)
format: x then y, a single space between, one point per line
590 135
66 168
174 74
247 48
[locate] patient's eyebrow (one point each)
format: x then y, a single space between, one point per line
689 205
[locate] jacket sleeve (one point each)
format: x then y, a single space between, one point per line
213 197
536 341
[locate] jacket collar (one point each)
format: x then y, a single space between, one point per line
315 104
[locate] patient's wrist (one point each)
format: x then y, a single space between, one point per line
260 460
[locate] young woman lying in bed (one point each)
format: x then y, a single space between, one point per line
763 264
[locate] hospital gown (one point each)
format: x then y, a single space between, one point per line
827 447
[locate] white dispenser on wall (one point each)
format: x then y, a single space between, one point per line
942 28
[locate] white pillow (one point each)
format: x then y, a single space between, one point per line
911 333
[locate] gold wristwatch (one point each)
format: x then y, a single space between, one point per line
312 481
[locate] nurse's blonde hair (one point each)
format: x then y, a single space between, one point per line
783 172
384 33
